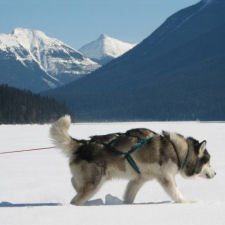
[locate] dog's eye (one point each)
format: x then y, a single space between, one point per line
204 160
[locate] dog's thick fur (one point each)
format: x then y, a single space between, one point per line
92 162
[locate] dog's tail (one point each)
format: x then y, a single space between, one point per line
60 136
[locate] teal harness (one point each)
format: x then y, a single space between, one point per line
127 155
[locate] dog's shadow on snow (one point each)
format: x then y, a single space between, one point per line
109 200
112 200
9 204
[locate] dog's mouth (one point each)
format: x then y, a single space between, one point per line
208 176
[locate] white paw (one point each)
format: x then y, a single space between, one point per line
185 201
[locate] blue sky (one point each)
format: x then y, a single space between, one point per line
77 22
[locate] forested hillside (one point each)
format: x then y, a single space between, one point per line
19 107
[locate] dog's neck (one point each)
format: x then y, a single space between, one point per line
180 147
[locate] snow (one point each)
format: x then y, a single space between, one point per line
53 56
35 186
31 38
41 46
105 46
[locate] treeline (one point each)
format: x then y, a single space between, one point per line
22 107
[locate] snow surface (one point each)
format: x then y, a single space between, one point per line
105 46
35 186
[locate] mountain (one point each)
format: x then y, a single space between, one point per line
19 107
105 48
32 60
177 73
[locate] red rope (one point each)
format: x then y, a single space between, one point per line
29 150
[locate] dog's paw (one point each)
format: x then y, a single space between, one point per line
185 201
72 202
75 202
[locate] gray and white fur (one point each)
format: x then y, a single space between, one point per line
92 162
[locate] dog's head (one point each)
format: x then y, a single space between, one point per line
198 159
199 162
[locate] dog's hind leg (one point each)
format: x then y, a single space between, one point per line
87 184
132 188
73 182
85 193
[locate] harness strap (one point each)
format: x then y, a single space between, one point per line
185 160
127 155
178 158
181 164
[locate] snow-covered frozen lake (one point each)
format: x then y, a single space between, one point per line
35 186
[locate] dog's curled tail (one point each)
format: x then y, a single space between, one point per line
60 136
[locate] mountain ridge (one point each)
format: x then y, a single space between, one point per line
55 62
174 74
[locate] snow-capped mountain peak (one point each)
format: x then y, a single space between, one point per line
24 32
103 36
104 47
47 52
56 59
31 38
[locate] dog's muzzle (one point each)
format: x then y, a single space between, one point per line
208 172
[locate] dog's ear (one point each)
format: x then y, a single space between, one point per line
202 148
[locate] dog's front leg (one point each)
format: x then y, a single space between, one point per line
169 185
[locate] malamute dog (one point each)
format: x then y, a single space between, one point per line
138 155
